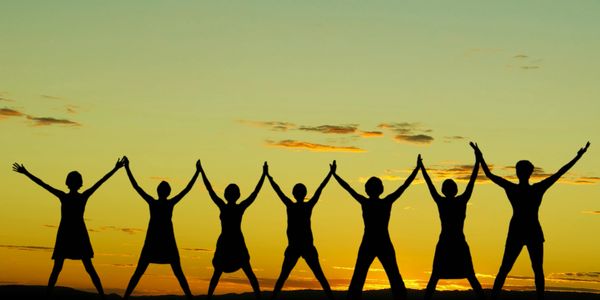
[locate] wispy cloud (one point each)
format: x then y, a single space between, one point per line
51 97
520 56
272 125
6 99
308 146
9 112
71 109
197 249
26 247
369 134
454 138
530 67
591 212
332 129
413 133
47 121
128 230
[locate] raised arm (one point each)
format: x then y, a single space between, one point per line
278 191
91 190
21 169
317 194
548 182
134 183
434 194
494 178
246 203
360 198
469 190
189 186
397 193
213 196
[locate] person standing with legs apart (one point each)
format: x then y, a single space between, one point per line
452 258
231 253
376 242
160 246
299 233
72 239
524 228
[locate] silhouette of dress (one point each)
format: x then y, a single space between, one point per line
452 258
160 246
72 238
299 233
231 252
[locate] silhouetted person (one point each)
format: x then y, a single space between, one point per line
299 233
376 242
72 239
160 246
231 253
524 228
452 258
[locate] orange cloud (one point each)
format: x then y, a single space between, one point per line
300 145
46 121
8 112
409 132
272 125
368 134
336 129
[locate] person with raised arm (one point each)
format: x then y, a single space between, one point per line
160 246
231 253
452 258
376 242
299 232
525 228
72 239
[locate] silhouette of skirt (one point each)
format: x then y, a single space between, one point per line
160 246
452 259
231 253
525 233
72 241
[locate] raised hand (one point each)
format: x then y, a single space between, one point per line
476 149
120 162
265 168
19 168
583 150
125 161
333 167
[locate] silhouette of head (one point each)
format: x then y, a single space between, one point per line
74 181
163 190
299 192
374 187
232 193
524 169
449 188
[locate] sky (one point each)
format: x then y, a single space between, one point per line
298 84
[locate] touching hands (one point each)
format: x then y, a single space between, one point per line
332 167
583 150
199 166
419 161
120 162
19 168
475 147
125 161
266 169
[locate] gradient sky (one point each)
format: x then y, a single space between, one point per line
298 84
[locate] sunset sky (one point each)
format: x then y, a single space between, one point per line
371 84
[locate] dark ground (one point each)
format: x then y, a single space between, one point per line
9 292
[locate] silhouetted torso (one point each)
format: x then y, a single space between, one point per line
525 201
452 216
160 246
72 239
376 216
299 231
231 250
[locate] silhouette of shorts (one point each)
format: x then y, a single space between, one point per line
306 252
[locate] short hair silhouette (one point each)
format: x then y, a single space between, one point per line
232 193
449 188
74 180
299 192
374 187
524 169
163 190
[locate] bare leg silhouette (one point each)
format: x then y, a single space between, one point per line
536 254
511 252
388 261
433 280
89 268
315 266
135 278
252 278
363 262
58 264
476 286
289 261
176 267
213 283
